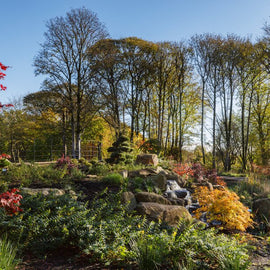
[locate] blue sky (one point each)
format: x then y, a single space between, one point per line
23 25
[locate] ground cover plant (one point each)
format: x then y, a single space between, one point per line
104 230
107 232
49 175
8 253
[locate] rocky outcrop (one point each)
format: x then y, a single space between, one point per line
170 214
44 191
151 197
129 199
147 159
159 181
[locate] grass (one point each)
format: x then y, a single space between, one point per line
114 179
233 174
8 253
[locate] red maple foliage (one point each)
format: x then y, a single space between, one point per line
2 87
10 201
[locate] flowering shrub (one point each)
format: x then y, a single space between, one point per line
224 206
183 170
10 201
65 162
198 173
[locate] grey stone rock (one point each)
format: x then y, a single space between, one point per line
177 201
129 198
160 181
151 197
147 159
171 214
181 193
44 191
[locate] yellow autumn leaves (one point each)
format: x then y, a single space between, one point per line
223 206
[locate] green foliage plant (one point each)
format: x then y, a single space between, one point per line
99 168
114 179
33 174
209 250
8 252
47 223
106 231
121 151
189 246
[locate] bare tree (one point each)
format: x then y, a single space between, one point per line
63 58
201 58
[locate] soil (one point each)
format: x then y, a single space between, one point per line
69 260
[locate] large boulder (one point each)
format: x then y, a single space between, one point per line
176 178
159 181
147 159
141 173
170 214
151 197
129 199
44 191
261 208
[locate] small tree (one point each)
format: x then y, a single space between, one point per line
223 206
120 151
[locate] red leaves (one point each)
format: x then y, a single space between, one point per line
10 201
5 105
2 75
3 87
4 156
3 67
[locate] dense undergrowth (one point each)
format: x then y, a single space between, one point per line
104 230
108 233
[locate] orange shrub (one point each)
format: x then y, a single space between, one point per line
223 206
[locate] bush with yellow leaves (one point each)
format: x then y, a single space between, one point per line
223 206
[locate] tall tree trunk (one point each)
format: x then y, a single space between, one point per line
202 121
64 128
214 129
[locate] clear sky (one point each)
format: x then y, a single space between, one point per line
23 25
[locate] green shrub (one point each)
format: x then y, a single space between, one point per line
187 247
209 250
152 251
8 253
107 232
99 168
28 174
114 179
138 184
47 223
4 162
121 151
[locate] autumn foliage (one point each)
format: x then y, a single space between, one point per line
198 173
223 206
10 201
2 87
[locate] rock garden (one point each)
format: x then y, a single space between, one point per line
152 215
